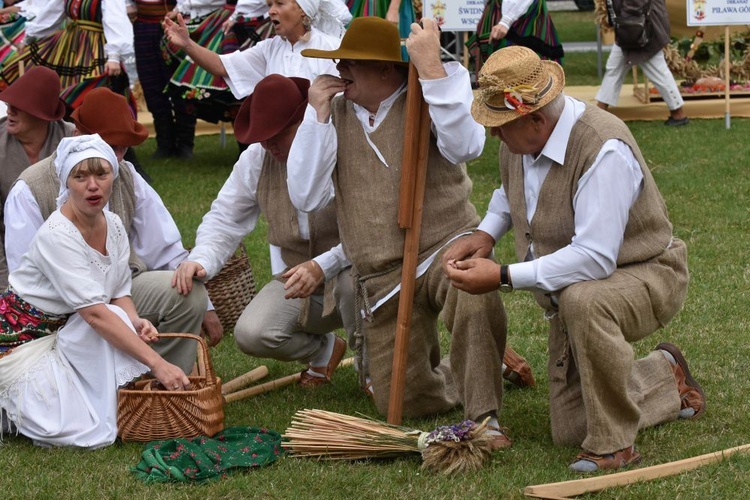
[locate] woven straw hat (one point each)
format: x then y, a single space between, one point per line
514 82
366 39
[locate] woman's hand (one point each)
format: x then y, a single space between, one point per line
112 68
170 376
498 32
227 26
176 32
184 274
145 330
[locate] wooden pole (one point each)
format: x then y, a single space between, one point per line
245 379
567 489
411 199
727 62
268 386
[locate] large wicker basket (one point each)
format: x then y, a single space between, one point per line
147 414
232 289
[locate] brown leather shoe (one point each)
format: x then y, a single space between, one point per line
691 393
500 439
311 381
517 370
586 462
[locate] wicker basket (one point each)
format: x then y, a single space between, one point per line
145 413
232 289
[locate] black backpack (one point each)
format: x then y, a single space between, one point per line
632 25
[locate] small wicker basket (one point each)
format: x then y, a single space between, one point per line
232 289
145 413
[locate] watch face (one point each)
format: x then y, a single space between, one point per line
505 288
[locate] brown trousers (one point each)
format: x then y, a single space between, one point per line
600 396
472 372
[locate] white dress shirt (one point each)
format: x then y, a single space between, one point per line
234 214
604 196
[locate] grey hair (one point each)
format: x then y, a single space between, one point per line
554 108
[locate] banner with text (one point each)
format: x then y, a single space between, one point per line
454 15
717 12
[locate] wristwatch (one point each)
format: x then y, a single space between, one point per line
505 284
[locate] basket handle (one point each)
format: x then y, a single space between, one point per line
205 367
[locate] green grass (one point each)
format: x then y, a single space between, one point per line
704 179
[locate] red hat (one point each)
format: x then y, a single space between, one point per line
106 113
277 103
37 93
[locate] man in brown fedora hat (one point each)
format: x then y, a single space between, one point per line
293 317
31 130
596 248
156 247
350 148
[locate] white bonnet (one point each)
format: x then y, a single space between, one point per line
73 150
329 16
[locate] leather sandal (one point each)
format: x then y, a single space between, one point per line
311 381
691 393
586 462
500 439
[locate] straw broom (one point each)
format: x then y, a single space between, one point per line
332 436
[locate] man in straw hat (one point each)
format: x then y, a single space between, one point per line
594 245
351 147
156 247
293 317
31 131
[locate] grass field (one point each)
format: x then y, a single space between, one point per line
702 171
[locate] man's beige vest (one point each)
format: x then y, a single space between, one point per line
648 232
367 193
283 225
45 186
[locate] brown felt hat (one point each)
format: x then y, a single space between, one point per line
37 93
513 82
366 39
277 103
106 113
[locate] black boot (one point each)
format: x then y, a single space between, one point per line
166 138
185 125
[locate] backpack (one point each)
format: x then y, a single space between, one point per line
632 26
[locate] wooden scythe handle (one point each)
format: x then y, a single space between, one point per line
245 379
566 489
411 200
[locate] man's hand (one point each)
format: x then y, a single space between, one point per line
474 276
303 280
212 328
183 276
321 93
474 246
423 46
176 32
498 32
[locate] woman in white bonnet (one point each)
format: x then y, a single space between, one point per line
69 332
301 24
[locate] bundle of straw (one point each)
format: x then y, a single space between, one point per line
333 436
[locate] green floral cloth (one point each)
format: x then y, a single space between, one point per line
203 458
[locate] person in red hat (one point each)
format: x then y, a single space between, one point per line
155 240
293 317
31 131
